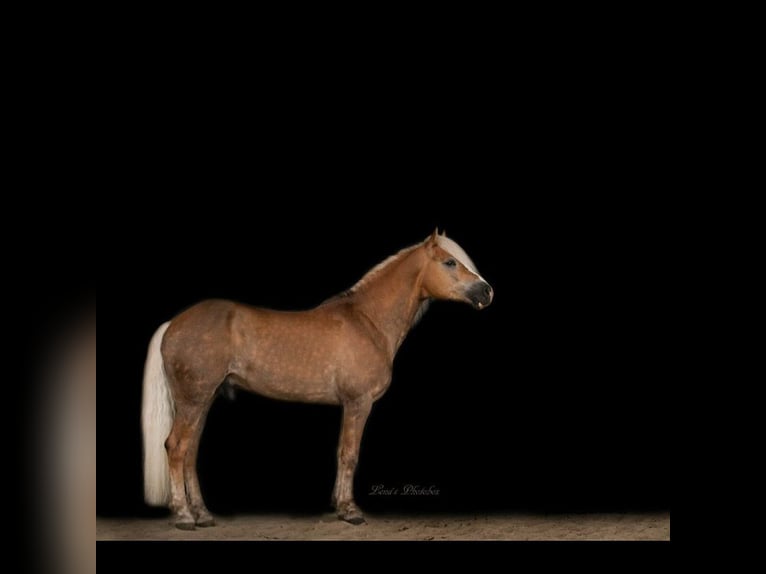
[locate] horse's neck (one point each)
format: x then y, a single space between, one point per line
392 300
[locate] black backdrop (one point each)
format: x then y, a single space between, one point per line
552 399
553 170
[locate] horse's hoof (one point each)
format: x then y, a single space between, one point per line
352 515
206 522
185 525
355 520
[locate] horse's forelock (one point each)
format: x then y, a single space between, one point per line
457 252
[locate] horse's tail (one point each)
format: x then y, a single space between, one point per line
157 413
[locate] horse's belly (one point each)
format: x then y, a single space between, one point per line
291 382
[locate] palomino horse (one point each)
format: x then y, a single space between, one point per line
340 353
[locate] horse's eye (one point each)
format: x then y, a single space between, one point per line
450 262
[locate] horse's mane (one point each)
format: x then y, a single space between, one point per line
376 271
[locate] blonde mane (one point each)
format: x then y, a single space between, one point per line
376 271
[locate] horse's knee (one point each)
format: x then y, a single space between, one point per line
349 459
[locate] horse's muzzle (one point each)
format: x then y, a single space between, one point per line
480 294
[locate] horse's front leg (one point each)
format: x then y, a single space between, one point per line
355 415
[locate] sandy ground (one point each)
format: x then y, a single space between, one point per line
654 526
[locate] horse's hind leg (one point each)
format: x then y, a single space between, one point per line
201 514
177 445
182 445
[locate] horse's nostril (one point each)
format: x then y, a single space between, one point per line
487 290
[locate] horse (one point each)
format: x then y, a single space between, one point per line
338 353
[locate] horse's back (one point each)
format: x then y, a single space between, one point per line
202 320
215 336
219 324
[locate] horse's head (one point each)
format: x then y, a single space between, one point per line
451 275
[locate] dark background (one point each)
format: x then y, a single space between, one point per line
550 162
552 399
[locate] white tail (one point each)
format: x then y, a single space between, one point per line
157 413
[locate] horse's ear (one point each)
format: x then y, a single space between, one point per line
432 241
